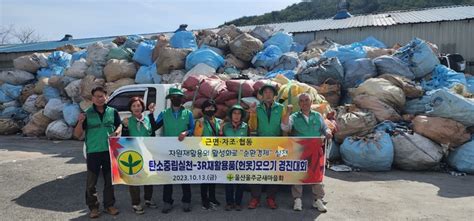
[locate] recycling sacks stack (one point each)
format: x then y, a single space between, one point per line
395 107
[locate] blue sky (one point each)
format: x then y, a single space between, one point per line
95 18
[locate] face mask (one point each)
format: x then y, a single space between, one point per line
209 113
176 102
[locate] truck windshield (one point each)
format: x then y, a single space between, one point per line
120 102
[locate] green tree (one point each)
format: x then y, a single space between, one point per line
320 9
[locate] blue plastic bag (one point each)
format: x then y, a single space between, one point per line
145 75
392 65
144 52
11 91
418 105
50 72
318 73
288 61
78 55
470 84
50 93
268 57
297 47
333 151
418 55
183 39
447 104
156 78
370 154
4 98
133 41
206 56
44 73
357 71
371 41
282 40
287 73
386 126
71 113
345 52
59 59
462 158
16 113
443 77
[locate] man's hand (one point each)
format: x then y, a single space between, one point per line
289 108
81 118
125 122
114 134
182 135
151 108
286 117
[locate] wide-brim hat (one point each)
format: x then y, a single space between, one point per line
236 107
275 92
174 91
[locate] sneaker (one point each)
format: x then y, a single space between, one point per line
206 205
214 203
167 208
229 207
186 207
238 207
298 205
150 204
318 204
112 211
94 214
254 202
271 203
138 209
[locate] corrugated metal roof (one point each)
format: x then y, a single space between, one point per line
51 45
382 19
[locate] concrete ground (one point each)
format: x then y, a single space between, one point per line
45 180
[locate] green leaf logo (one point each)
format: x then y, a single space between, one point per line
130 162
230 177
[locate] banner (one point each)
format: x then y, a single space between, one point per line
251 160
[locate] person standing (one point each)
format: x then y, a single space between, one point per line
208 126
265 118
306 123
176 121
99 122
235 128
139 125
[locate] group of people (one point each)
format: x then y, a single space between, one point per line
267 118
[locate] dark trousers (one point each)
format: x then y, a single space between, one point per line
234 193
208 192
96 162
135 193
256 191
168 193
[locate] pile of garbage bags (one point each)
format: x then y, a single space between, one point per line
394 107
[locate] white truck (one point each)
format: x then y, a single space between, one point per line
151 93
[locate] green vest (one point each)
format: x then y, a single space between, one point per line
229 131
270 127
172 126
97 131
140 131
301 128
207 129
